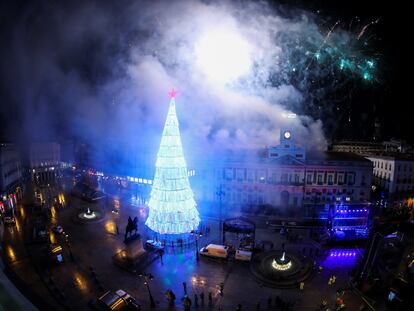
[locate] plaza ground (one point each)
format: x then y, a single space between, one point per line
74 284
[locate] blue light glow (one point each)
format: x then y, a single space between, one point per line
339 258
172 208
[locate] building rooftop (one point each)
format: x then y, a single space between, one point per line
336 156
394 156
323 158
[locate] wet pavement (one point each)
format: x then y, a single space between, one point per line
75 284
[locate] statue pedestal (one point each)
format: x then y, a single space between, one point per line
133 249
134 258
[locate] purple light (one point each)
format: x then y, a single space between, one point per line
342 253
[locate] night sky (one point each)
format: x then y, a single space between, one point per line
67 72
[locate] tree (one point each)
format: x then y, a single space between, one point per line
172 208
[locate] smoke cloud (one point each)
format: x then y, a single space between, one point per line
100 71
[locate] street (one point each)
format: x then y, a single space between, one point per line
74 284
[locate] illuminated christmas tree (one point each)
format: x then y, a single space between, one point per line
172 209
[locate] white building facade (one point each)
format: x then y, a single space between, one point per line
394 173
10 176
44 161
284 178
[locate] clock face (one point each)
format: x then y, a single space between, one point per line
286 134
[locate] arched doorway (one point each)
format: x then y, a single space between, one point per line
284 198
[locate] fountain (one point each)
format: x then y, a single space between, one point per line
282 263
280 269
89 216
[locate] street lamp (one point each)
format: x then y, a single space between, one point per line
68 244
313 214
197 234
148 277
220 193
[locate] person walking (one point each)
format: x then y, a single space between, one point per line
161 253
186 303
195 300
269 302
202 298
170 296
210 299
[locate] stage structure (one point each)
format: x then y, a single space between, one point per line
172 208
245 230
348 221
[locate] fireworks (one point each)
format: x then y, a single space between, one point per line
327 65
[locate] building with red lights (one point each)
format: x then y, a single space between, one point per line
285 178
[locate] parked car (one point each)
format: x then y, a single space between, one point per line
153 245
243 255
56 252
40 232
8 218
215 250
57 229
119 300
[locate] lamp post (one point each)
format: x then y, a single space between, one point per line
220 193
197 235
313 215
69 248
148 277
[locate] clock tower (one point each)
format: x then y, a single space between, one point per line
286 137
287 146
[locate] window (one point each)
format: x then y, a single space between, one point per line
284 178
250 175
228 173
390 166
340 179
296 178
309 179
351 178
330 179
320 179
240 174
386 166
261 176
